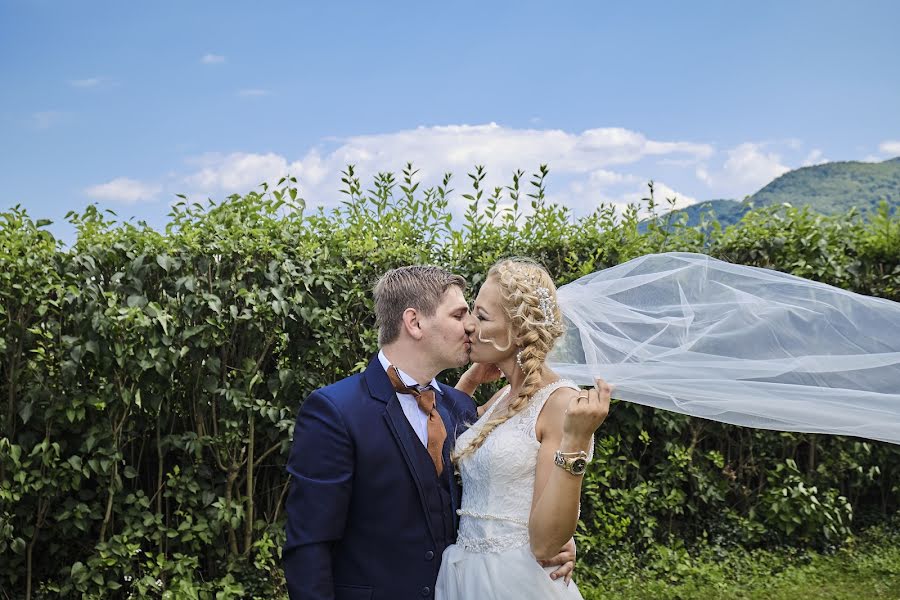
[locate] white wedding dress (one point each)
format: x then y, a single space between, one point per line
492 557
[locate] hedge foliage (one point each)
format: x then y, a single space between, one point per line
150 379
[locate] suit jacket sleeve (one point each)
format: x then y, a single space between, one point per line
470 409
465 408
321 465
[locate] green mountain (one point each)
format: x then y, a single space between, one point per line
726 211
827 188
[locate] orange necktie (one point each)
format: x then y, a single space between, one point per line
427 404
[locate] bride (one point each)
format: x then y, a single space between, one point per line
522 461
677 331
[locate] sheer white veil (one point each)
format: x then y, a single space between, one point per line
742 345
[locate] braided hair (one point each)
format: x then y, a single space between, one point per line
525 288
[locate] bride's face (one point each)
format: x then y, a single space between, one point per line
493 338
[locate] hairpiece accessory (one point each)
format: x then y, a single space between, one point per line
519 359
547 306
545 300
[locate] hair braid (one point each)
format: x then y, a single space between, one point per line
519 280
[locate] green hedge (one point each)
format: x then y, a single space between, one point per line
151 379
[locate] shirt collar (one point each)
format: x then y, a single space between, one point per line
406 379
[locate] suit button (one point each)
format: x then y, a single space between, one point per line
426 591
429 555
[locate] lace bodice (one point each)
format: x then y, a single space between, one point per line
498 478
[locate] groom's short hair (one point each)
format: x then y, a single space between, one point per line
419 287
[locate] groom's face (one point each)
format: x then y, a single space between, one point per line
447 332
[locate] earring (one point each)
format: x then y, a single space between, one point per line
519 360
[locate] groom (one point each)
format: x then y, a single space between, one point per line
373 500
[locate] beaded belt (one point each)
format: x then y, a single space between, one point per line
494 544
497 543
468 513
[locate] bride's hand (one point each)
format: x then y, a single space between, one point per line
586 412
478 374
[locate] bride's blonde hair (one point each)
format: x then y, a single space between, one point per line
528 297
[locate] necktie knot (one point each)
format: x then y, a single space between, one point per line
426 398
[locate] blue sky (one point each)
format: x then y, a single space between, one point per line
126 104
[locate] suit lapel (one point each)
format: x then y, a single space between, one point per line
381 389
451 426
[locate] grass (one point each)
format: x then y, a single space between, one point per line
866 567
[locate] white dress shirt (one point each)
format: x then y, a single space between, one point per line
414 414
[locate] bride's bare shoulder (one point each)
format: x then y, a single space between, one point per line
553 412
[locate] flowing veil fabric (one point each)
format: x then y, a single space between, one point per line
742 345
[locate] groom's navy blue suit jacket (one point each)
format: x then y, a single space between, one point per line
358 524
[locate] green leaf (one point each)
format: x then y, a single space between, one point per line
137 301
18 545
164 262
25 411
215 304
15 453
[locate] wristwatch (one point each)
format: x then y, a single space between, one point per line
573 462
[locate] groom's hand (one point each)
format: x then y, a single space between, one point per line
566 561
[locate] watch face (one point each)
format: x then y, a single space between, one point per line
579 466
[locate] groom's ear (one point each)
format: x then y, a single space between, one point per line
412 323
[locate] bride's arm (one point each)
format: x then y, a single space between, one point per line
474 376
554 508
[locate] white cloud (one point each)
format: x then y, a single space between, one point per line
662 195
212 59
239 171
603 165
90 82
504 149
599 186
891 147
579 162
46 118
602 177
815 157
611 146
750 168
681 162
253 93
703 175
747 168
124 190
